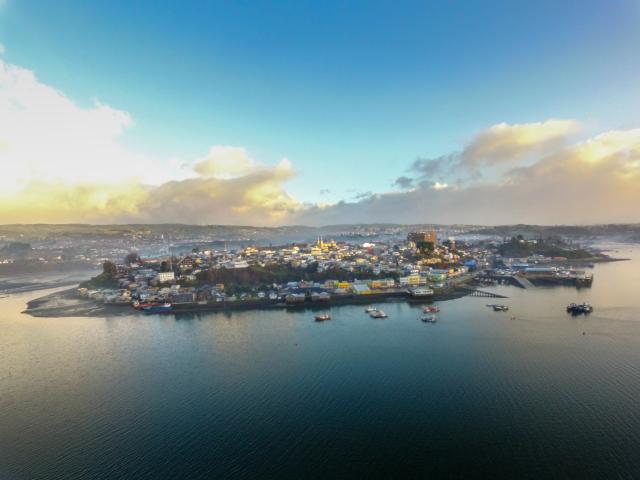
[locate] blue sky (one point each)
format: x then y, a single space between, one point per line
350 92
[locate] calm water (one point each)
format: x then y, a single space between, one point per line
276 395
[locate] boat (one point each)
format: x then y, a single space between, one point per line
500 308
157 308
578 309
431 309
323 317
421 292
370 309
429 319
378 314
140 306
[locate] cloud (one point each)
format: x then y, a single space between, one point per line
64 163
46 136
257 197
505 143
593 181
403 182
225 162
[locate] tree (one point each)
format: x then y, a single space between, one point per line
109 269
132 257
164 266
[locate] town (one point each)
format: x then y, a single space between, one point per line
422 267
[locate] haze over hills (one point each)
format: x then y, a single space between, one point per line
299 233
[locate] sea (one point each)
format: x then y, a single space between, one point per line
529 393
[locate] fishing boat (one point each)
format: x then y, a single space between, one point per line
431 309
323 317
429 319
157 308
378 314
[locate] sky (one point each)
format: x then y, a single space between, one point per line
272 113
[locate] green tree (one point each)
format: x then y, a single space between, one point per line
109 269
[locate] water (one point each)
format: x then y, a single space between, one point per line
273 394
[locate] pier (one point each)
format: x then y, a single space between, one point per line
482 293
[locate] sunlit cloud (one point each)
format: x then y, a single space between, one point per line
591 181
504 142
62 162
65 163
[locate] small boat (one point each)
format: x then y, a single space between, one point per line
431 309
370 309
323 317
500 308
140 306
578 309
429 319
378 314
157 308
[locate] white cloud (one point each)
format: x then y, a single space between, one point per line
504 142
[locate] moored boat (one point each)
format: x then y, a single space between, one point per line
370 309
578 309
378 314
500 308
323 317
429 319
157 308
431 309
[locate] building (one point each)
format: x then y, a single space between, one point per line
165 277
421 237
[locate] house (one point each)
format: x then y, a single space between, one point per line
164 277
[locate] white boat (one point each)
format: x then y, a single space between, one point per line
370 309
429 319
378 314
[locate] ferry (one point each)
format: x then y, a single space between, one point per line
378 314
577 309
157 308
429 319
431 309
323 317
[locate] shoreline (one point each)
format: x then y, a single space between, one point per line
67 303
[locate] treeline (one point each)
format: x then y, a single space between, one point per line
516 247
